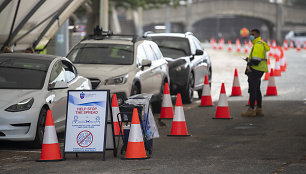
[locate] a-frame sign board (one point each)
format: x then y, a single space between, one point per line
89 123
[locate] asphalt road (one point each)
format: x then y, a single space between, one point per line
275 143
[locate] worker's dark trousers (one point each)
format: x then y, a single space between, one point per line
254 79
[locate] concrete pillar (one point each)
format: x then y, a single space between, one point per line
279 22
62 40
188 24
103 21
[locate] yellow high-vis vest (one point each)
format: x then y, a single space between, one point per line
258 52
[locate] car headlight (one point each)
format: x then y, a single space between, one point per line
117 80
21 106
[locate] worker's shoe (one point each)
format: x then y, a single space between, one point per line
249 113
259 112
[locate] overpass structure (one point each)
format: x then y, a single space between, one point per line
277 16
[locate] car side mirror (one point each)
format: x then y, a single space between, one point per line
145 62
58 85
199 52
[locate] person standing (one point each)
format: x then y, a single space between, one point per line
256 67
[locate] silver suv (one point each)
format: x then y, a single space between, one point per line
124 65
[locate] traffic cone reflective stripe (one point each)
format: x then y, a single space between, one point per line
271 89
50 149
179 127
135 147
206 99
115 109
222 111
167 109
236 90
277 71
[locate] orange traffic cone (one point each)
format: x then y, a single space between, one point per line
277 71
230 46
285 45
179 127
238 46
298 46
282 59
206 99
291 44
222 108
267 74
304 45
135 147
50 150
115 109
271 89
167 109
236 90
246 47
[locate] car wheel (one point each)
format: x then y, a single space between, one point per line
38 141
135 90
187 95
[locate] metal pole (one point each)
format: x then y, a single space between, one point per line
104 14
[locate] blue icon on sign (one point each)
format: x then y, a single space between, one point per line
82 95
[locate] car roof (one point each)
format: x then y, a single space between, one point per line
182 35
29 56
109 41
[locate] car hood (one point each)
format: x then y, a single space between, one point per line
13 96
103 71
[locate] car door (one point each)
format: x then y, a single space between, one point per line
200 67
147 75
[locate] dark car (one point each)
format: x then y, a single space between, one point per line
188 62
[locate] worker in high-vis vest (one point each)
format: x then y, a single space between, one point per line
256 67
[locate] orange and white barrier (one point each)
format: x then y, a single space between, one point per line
50 149
206 99
222 111
179 127
236 90
167 108
135 147
271 89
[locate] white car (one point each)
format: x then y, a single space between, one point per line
296 36
30 84
125 66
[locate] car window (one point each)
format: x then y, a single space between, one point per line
156 50
140 54
148 51
197 43
98 53
70 71
58 73
22 73
173 47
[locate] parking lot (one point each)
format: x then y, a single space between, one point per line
274 143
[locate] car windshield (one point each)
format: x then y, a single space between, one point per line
173 47
111 54
303 34
22 73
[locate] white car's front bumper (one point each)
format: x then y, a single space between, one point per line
18 126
